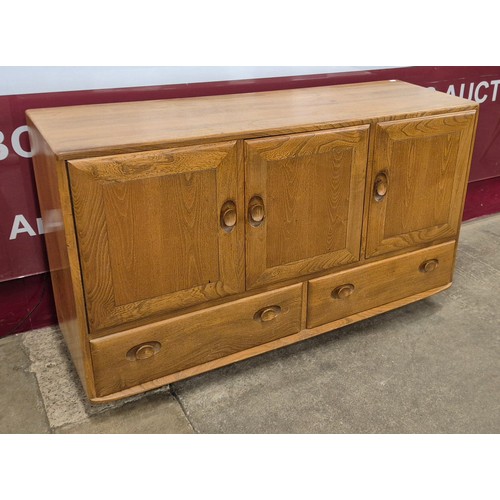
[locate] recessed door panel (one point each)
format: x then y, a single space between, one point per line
183 232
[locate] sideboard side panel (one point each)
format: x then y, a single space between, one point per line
57 214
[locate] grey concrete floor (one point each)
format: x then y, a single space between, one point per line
430 367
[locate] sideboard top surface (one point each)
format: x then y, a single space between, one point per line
104 129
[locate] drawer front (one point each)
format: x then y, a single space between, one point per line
349 292
142 354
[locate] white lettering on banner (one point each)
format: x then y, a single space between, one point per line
471 88
15 140
53 222
39 224
476 94
16 144
4 151
21 225
480 93
495 88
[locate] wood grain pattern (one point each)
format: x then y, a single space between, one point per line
157 271
269 346
465 186
104 129
55 206
150 241
195 338
312 189
426 163
376 284
180 231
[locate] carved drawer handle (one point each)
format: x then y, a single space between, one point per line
228 217
143 351
343 291
267 314
380 186
256 211
429 265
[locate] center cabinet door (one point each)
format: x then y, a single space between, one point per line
158 231
304 196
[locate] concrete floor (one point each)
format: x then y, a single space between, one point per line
430 367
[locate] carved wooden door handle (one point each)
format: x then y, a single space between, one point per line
228 216
256 211
380 186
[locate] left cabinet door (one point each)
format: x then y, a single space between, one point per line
158 231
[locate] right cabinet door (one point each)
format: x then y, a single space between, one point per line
418 178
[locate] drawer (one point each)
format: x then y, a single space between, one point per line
349 292
142 354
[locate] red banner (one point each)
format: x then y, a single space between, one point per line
21 228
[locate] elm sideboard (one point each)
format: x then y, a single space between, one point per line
187 234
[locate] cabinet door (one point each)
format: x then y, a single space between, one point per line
304 195
418 179
158 231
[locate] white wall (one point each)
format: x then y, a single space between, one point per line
36 79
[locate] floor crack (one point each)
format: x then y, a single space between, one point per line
181 404
29 369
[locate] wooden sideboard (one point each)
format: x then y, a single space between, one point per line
187 234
